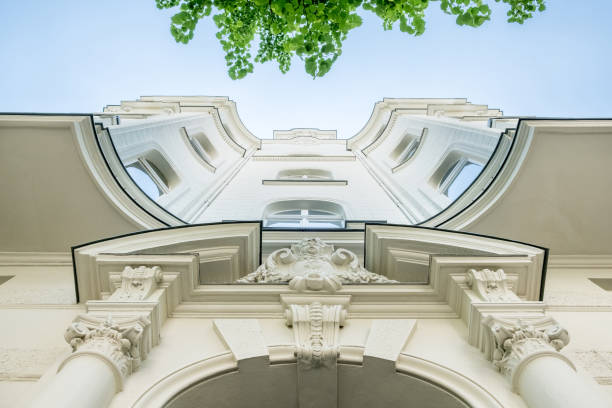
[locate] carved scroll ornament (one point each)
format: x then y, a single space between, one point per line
312 264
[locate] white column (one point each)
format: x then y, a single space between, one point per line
547 381
527 353
83 381
103 356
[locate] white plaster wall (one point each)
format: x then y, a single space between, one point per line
38 285
245 197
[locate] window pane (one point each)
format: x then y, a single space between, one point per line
144 181
463 180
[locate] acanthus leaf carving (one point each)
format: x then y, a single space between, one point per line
121 346
313 265
510 343
490 285
137 283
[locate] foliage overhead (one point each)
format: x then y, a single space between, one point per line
314 29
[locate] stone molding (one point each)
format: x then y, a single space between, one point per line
120 347
512 343
313 265
490 285
137 283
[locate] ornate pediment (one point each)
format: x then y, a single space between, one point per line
312 264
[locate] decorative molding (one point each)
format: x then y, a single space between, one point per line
121 347
303 182
490 286
580 261
304 132
512 343
302 158
35 259
316 329
312 264
137 283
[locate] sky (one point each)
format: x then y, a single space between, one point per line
80 55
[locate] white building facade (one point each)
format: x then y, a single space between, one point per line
159 254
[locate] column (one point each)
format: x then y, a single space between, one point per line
103 356
105 352
527 353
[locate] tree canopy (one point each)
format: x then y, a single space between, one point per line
315 29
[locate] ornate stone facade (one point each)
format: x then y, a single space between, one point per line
312 264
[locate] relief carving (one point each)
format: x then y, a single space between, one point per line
314 265
137 283
491 286
121 346
316 330
511 344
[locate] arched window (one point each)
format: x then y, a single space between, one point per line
304 174
455 174
304 214
406 148
201 146
462 181
153 174
142 178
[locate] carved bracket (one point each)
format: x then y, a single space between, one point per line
316 328
491 286
137 283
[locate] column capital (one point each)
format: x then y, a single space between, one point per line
512 343
118 345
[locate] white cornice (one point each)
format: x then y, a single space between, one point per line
35 259
580 261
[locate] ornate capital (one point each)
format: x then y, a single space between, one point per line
120 346
491 286
511 344
314 265
137 283
316 330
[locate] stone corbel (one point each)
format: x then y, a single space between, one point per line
137 283
316 329
511 343
122 345
316 321
490 285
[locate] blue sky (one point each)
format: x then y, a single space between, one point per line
77 56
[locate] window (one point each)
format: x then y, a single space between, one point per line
406 148
304 214
202 146
459 177
142 178
153 174
304 174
